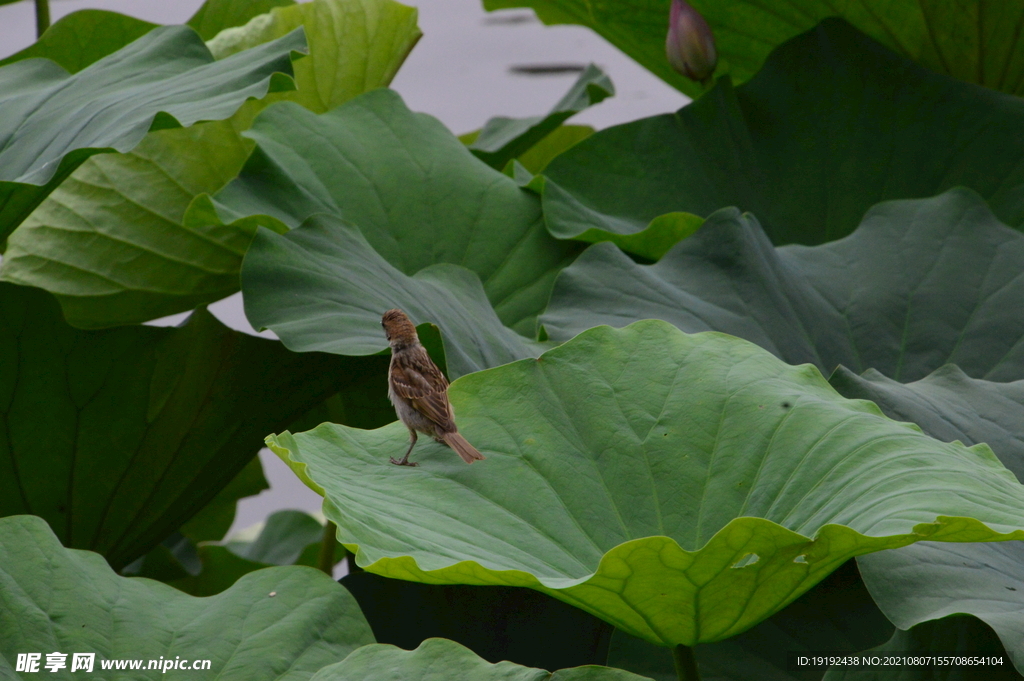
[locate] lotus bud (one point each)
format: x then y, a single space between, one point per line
690 45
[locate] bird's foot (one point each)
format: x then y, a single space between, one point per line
403 462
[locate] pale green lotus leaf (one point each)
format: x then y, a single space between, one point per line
682 488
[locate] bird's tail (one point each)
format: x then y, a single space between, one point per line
467 451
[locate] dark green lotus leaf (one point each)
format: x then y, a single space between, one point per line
323 287
934 580
495 622
949 405
953 636
118 437
280 623
417 194
947 293
177 556
216 15
974 41
439 659
52 121
837 616
131 207
503 139
682 488
82 37
214 521
782 148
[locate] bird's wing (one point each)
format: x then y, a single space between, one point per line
419 381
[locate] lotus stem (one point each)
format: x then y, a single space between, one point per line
686 663
42 16
328 545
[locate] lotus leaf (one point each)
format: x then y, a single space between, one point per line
279 623
949 405
131 207
932 581
952 636
921 283
82 37
495 622
975 41
928 581
438 659
118 437
682 488
216 15
323 287
411 187
781 147
837 616
503 139
53 121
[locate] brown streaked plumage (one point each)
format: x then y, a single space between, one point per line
419 390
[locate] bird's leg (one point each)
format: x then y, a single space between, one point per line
404 461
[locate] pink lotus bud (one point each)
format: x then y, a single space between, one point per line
690 45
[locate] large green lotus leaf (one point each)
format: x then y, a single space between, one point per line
503 139
837 616
949 405
280 623
439 659
216 15
118 437
974 40
130 207
82 37
322 287
418 195
953 636
921 283
52 121
495 622
780 147
682 488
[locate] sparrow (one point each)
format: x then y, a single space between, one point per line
419 391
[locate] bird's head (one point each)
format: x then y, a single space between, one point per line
398 329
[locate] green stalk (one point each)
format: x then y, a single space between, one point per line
328 545
686 663
42 16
